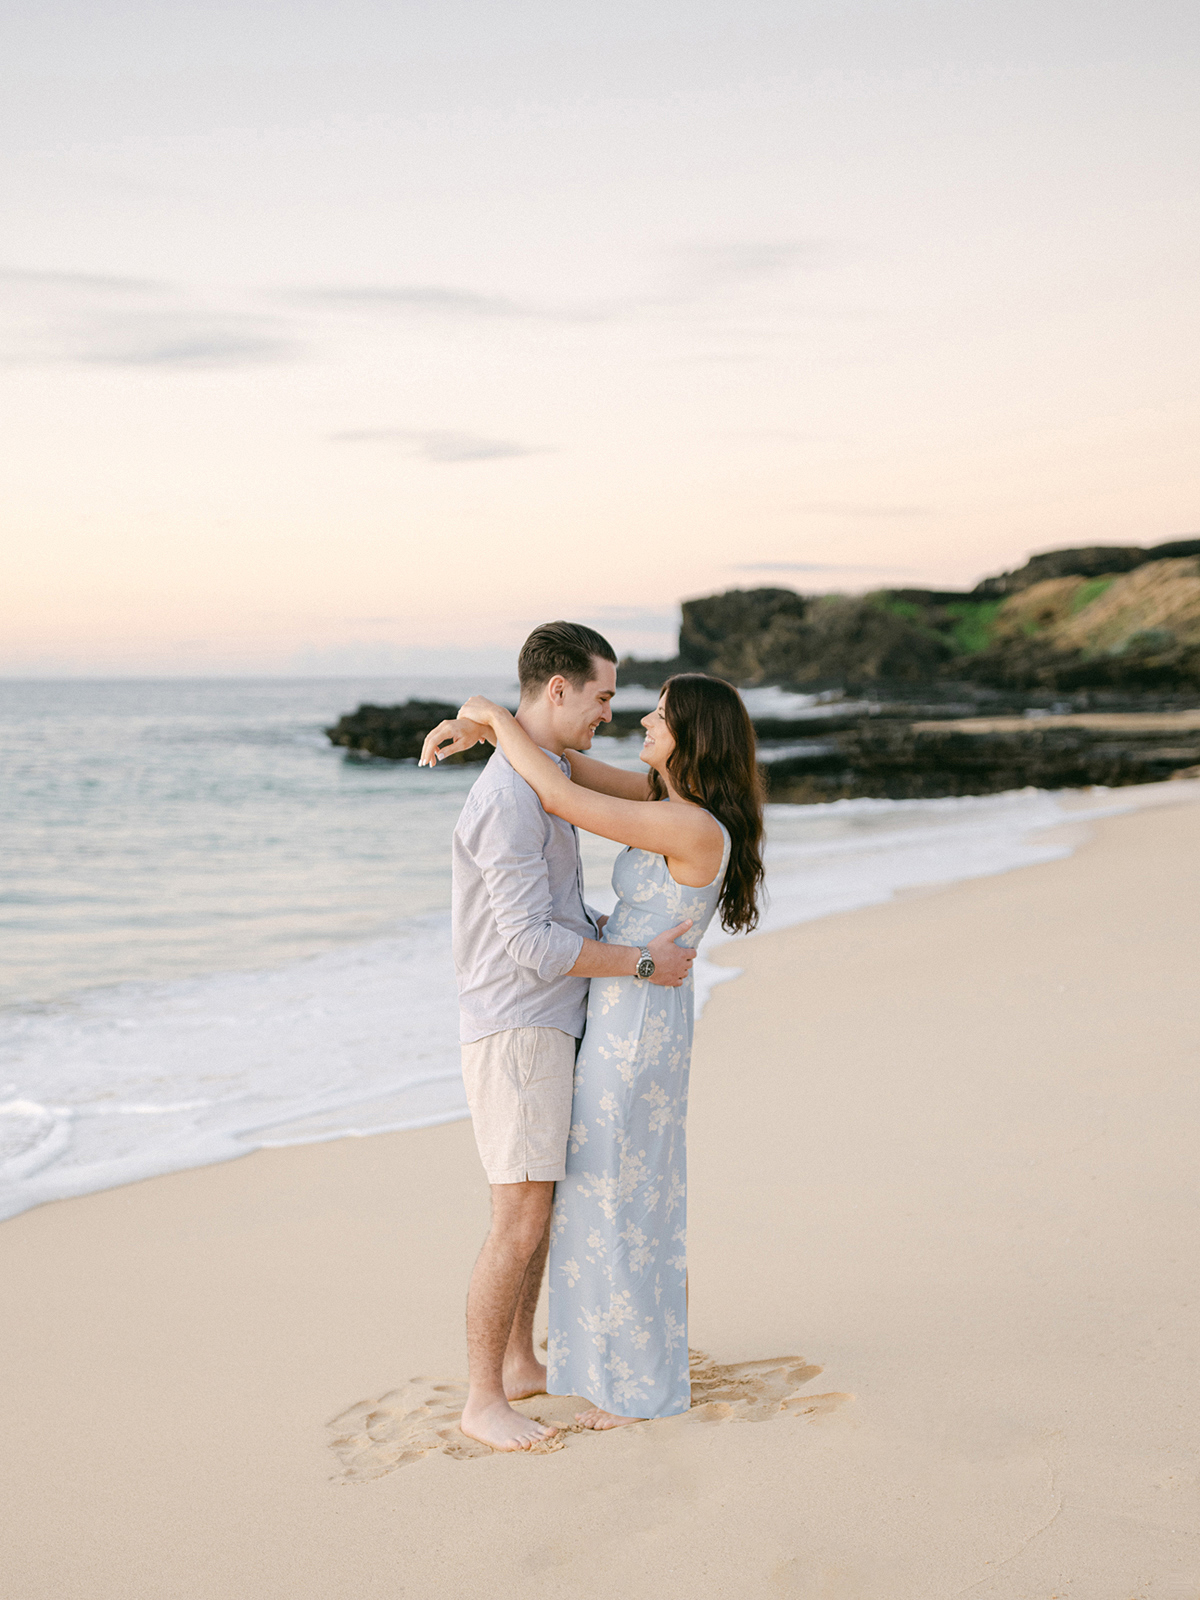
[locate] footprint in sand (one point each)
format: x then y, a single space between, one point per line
375 1437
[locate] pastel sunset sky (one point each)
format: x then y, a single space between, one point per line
360 337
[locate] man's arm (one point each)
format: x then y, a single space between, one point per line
507 843
505 837
671 961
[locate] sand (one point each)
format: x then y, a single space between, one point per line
1098 721
944 1269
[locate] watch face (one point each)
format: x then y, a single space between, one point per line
645 967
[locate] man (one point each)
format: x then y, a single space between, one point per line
525 946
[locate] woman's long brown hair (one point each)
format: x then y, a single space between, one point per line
713 764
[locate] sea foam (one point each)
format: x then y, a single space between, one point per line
138 1079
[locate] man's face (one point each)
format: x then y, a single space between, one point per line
579 712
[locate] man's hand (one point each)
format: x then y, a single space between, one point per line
461 733
672 962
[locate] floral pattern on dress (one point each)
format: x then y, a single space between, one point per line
618 1262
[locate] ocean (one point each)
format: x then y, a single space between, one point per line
220 933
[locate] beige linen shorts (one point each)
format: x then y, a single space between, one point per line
519 1084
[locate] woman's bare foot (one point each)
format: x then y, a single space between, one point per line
523 1379
495 1423
595 1418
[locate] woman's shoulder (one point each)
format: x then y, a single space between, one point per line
712 817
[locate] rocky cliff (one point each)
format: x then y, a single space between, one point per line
1104 618
1090 561
1103 628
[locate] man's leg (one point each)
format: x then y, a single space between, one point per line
520 1215
524 1374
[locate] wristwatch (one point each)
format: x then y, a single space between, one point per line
645 966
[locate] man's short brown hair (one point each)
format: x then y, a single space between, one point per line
561 649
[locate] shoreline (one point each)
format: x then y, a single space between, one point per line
354 1012
941 1151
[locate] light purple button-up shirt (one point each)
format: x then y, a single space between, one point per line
519 916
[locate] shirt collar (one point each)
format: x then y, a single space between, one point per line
560 762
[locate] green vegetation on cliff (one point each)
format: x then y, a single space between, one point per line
1105 617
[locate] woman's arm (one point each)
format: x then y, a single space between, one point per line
681 832
457 734
598 775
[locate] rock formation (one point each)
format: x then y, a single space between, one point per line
893 758
1105 618
396 733
1092 561
1114 629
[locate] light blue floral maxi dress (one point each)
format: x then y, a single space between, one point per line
618 1241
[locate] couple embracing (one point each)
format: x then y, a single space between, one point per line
577 1029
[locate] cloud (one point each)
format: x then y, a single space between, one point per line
448 302
91 319
695 273
86 318
740 262
632 617
439 299
93 282
631 630
182 339
810 566
438 445
371 658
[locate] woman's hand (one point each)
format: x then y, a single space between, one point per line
461 734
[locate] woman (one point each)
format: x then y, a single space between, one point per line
693 828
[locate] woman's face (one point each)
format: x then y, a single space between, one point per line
659 742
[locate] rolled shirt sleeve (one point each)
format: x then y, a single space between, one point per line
508 844
518 912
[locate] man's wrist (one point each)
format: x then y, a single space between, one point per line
645 968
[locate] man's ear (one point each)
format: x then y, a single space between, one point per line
556 689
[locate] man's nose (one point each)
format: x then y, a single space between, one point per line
607 716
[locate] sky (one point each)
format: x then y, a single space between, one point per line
363 337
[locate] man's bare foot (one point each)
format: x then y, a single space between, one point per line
495 1423
523 1379
595 1418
